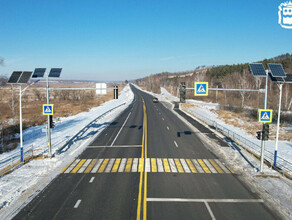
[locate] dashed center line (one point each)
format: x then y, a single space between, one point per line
163 119
175 143
91 180
77 204
167 127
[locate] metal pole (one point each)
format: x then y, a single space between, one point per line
48 126
20 125
278 126
263 142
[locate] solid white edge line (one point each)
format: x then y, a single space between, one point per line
210 211
91 180
77 204
175 143
121 129
205 200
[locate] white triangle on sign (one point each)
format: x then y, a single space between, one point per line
265 116
48 110
201 89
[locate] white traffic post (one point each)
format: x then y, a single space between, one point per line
20 125
48 126
278 125
263 142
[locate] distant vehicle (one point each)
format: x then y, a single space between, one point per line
155 100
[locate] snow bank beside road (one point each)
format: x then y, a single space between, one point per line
29 179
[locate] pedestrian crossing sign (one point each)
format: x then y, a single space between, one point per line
265 115
201 88
48 109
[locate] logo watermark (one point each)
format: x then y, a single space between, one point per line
285 15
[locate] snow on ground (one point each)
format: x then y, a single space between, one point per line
272 186
26 181
204 109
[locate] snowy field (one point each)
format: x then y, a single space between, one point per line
21 185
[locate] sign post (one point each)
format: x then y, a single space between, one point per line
48 109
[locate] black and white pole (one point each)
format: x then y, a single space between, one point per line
116 92
48 125
278 125
263 141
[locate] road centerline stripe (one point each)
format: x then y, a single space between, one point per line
175 143
91 180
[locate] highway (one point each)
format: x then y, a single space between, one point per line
147 164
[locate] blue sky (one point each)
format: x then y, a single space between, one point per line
119 40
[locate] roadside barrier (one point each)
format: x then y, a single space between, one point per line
12 161
283 166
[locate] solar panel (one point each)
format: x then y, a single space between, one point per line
257 69
55 72
39 72
14 77
277 70
288 78
276 79
25 76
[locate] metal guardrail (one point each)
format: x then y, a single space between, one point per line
282 164
12 161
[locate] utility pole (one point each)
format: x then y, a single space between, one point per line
48 125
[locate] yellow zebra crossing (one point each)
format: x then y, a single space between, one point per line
155 165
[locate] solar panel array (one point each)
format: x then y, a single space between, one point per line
276 70
257 69
25 76
276 79
14 77
55 72
39 72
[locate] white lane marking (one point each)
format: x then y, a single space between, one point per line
167 127
147 165
172 165
91 180
122 165
135 165
175 143
117 146
121 129
197 165
210 166
160 165
185 166
210 211
72 166
77 204
96 167
84 166
205 200
163 119
109 166
222 166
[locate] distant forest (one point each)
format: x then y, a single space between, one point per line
227 76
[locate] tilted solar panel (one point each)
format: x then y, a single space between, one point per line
14 77
276 70
55 72
25 76
257 69
39 72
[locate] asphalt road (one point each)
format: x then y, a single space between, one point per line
146 165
